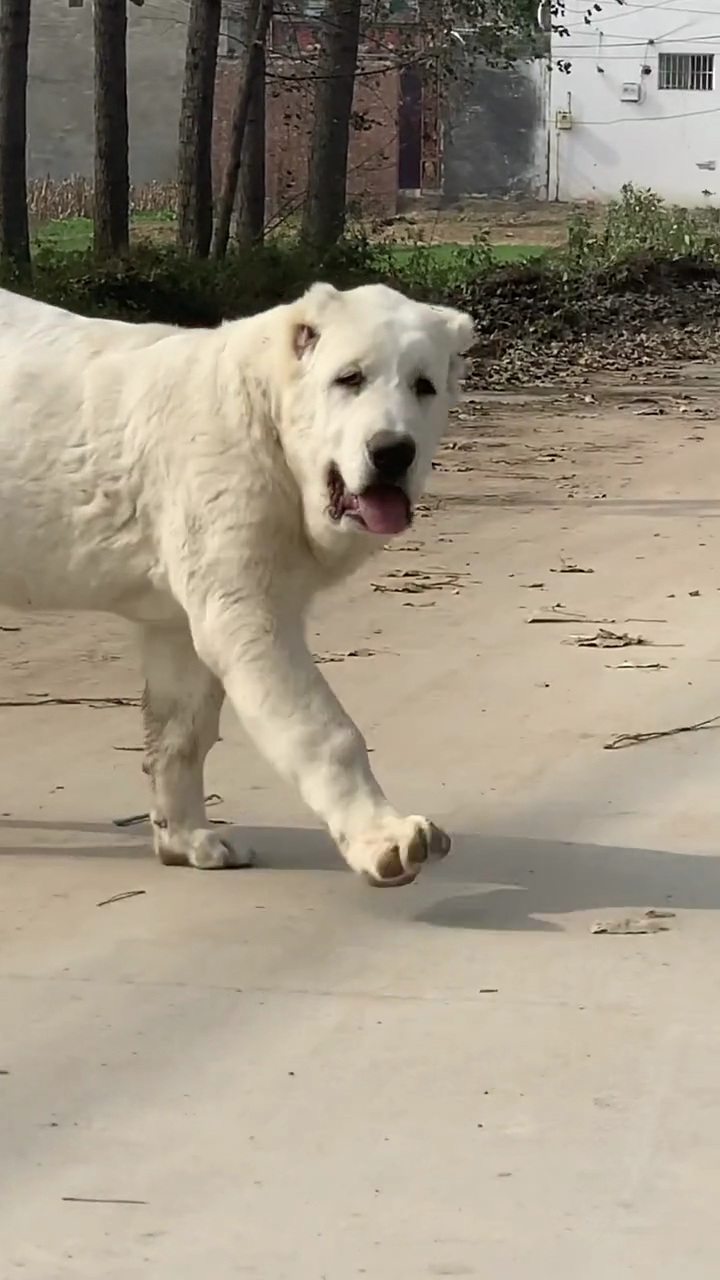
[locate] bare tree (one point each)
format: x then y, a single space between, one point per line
112 175
195 193
250 219
14 37
251 68
323 218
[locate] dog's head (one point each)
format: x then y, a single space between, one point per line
372 377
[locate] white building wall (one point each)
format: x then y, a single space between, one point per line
670 139
496 130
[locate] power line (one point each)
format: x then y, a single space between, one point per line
681 115
664 8
650 43
624 5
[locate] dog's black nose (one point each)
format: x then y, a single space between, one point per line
391 455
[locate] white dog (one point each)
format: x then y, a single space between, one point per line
205 484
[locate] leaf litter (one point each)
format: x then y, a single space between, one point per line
569 566
649 922
606 639
416 581
347 653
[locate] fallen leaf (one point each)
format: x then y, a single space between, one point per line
649 922
636 666
568 566
416 581
340 657
604 639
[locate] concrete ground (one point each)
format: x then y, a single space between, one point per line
282 1073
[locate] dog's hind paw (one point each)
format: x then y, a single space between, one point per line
201 848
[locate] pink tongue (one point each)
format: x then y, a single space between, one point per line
384 509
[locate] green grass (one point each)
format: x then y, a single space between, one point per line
70 235
74 235
443 254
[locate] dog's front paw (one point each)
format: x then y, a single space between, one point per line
392 853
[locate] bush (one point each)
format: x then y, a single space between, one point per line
156 283
627 284
641 223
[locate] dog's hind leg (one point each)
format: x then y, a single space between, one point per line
181 703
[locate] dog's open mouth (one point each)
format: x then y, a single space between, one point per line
381 508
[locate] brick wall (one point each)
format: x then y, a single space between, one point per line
373 157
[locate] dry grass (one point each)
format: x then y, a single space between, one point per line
50 201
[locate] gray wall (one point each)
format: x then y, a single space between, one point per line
60 92
495 131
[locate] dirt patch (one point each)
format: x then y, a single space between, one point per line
518 222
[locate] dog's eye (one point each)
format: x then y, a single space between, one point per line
353 380
423 387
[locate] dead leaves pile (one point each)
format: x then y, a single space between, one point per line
651 921
341 657
413 582
606 639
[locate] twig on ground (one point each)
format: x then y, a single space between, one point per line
131 820
43 700
559 613
417 584
636 666
135 818
630 739
120 897
100 1200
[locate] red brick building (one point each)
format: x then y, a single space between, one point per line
395 137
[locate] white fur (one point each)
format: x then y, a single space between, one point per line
179 479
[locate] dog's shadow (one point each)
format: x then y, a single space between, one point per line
488 882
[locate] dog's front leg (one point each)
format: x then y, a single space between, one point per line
299 725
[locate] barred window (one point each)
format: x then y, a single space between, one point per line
686 71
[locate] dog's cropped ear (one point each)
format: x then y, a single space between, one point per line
460 327
310 313
319 297
461 331
305 337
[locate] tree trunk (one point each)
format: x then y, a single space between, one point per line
14 36
195 193
250 223
251 67
112 177
323 219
